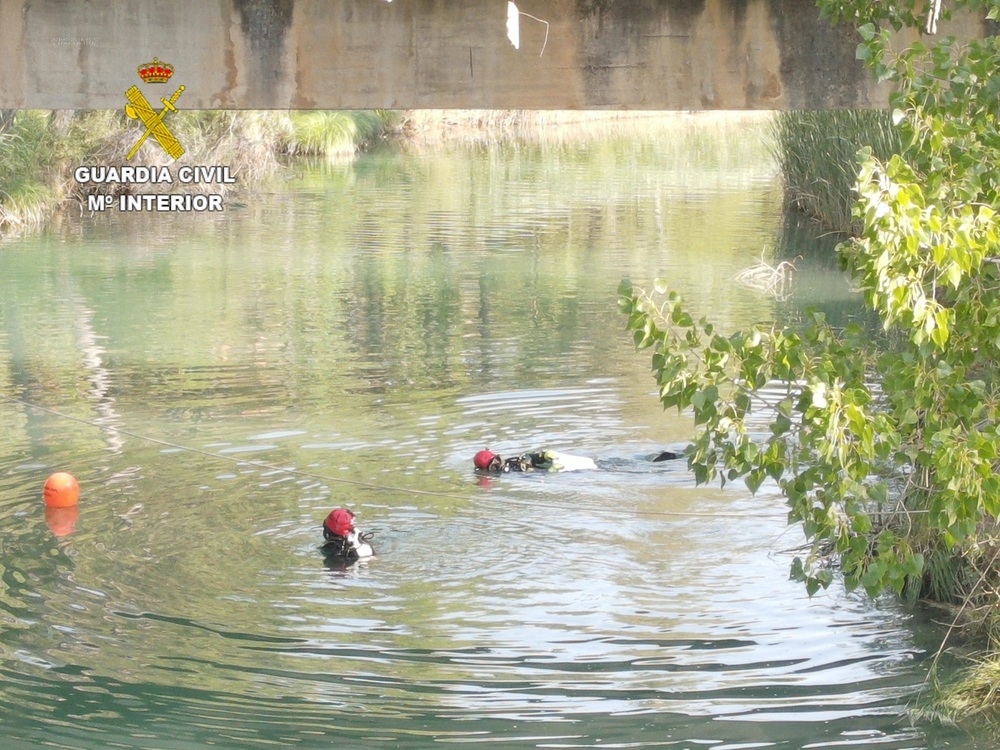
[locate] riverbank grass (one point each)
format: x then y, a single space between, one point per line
39 150
28 188
971 697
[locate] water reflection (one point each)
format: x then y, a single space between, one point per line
352 341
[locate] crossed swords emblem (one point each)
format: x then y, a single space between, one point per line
139 108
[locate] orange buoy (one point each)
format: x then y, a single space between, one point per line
62 521
61 490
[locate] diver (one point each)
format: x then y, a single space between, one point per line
489 462
343 542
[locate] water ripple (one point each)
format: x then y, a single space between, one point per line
353 342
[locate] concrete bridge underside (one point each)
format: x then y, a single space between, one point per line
413 54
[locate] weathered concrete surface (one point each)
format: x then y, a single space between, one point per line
412 54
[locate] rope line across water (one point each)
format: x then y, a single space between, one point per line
343 480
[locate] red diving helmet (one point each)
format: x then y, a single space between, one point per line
340 522
487 461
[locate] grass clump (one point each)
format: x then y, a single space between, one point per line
335 134
29 190
818 155
966 583
973 697
248 141
976 694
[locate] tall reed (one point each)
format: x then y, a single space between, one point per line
818 155
28 149
490 127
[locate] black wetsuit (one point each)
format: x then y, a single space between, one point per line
338 548
666 456
526 462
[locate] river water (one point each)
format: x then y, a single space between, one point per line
352 337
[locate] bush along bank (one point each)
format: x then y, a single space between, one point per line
39 150
887 452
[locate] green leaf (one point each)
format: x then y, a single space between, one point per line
754 480
780 425
953 275
797 572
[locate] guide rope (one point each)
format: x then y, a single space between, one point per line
267 466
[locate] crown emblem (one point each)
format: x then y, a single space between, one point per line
156 71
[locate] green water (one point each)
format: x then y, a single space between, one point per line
353 337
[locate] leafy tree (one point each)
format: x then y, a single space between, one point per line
886 451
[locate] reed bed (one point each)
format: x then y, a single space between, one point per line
38 150
818 155
486 127
27 154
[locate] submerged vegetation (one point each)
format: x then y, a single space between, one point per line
38 149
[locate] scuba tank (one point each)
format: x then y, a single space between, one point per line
358 546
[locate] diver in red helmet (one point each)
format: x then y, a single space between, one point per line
489 462
343 541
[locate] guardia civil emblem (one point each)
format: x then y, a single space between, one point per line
139 108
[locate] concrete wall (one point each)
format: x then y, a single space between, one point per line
411 54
